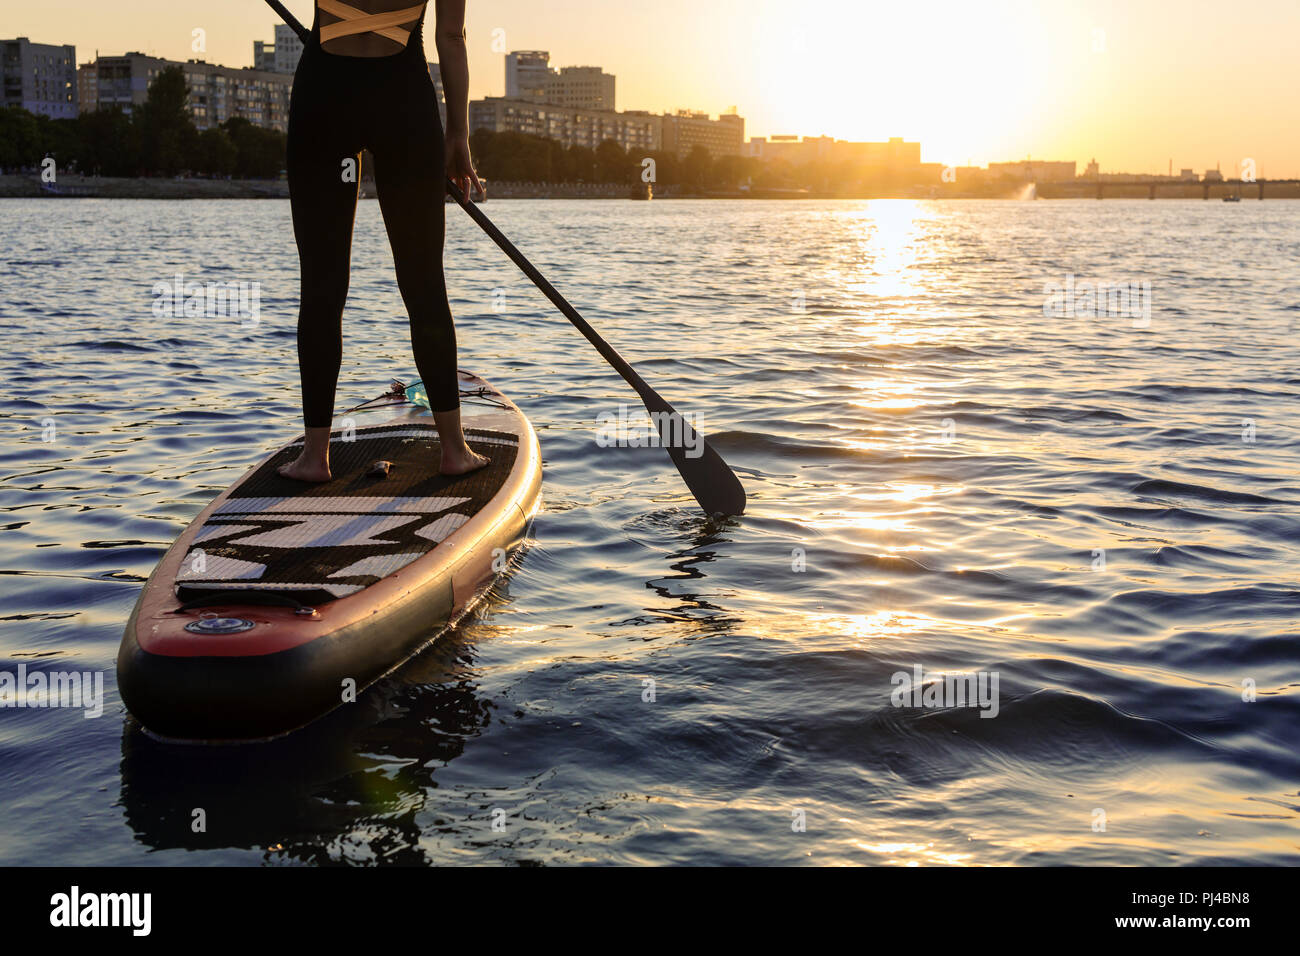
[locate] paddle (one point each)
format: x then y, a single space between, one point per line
713 484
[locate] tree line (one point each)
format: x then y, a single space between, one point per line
157 138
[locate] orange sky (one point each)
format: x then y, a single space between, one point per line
1134 83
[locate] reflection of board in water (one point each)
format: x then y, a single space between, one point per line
381 753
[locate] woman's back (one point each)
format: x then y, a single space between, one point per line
367 27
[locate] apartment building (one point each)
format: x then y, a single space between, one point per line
39 77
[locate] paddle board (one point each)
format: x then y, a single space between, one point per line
282 600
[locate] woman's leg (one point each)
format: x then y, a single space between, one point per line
409 180
323 197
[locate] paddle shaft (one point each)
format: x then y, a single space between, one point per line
289 18
518 258
714 485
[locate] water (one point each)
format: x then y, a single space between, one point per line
1075 504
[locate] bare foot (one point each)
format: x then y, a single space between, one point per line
460 461
457 458
300 469
313 462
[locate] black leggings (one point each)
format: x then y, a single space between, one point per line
341 105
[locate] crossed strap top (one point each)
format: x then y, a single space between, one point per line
360 19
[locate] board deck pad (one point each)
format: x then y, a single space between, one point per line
319 542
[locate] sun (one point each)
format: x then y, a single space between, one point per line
957 77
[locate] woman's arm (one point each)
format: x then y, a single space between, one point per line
453 61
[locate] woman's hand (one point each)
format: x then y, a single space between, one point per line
460 166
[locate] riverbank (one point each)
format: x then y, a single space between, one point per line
28 185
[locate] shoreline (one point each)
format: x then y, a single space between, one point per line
72 186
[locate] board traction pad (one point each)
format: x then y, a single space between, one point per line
324 541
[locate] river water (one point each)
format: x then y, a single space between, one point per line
1095 511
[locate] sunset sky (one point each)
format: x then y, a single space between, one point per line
1133 83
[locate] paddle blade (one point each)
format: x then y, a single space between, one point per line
714 485
710 480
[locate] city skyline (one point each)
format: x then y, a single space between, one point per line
1133 85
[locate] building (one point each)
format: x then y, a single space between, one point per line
789 149
582 87
220 93
263 55
1092 170
39 77
216 93
87 88
635 131
529 76
684 130
1034 171
281 56
896 156
576 105
123 81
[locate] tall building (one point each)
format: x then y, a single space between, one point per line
529 77
636 131
281 56
39 77
684 130
527 74
263 55
220 93
123 81
87 88
216 93
582 87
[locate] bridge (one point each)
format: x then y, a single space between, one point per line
1154 188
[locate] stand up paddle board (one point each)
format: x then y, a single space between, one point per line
283 600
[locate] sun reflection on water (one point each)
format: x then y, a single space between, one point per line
914 854
888 234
